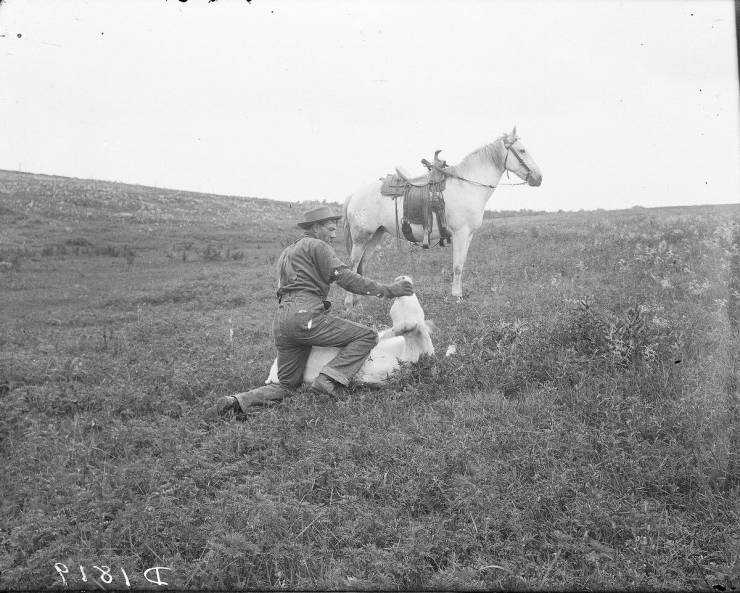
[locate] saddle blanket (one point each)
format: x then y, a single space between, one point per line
393 185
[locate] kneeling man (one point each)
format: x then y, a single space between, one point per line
305 271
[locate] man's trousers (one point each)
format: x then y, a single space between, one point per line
301 322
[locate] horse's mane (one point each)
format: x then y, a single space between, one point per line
493 152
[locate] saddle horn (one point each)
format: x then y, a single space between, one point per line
438 161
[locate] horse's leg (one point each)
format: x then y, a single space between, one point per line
358 251
460 243
361 250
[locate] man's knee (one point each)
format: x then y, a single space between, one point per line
291 366
262 395
291 381
371 339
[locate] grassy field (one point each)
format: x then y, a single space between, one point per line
585 435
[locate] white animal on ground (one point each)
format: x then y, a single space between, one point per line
406 341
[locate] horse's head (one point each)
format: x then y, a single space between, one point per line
519 161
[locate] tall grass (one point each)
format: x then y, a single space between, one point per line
584 435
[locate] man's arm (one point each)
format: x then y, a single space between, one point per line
357 284
335 270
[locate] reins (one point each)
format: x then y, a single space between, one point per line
478 183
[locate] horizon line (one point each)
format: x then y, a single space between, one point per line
324 200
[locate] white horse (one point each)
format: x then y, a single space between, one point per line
368 214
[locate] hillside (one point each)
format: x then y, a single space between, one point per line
65 208
45 210
585 435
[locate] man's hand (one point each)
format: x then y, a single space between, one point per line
400 288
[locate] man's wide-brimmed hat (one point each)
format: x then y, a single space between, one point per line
321 214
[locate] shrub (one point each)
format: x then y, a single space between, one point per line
78 242
108 250
516 356
211 253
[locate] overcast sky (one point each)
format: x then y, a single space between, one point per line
620 103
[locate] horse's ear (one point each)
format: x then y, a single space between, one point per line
513 132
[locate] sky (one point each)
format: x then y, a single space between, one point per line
621 104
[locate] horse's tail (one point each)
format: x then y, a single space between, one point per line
347 230
348 235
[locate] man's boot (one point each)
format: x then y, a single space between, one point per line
323 384
225 406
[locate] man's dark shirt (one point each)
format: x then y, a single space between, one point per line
311 265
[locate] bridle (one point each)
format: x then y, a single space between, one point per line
519 158
509 148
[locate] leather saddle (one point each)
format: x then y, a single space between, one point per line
422 199
434 174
